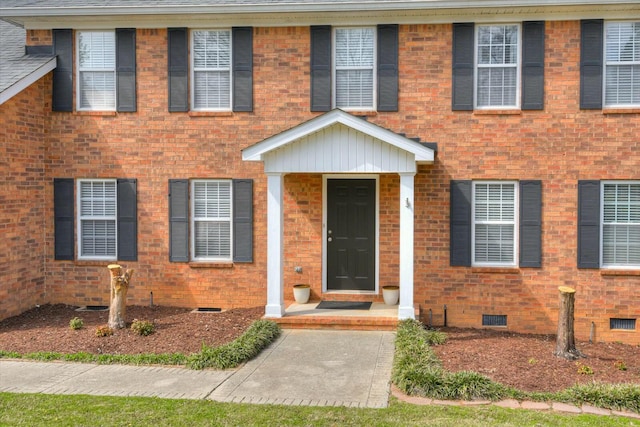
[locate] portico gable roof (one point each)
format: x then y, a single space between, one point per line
338 142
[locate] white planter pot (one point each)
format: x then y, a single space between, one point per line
301 293
391 294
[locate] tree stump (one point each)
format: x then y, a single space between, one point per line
119 287
565 342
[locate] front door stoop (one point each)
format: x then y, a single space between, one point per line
331 138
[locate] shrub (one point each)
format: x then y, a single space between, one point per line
258 336
143 327
418 371
104 331
620 365
584 369
611 396
76 323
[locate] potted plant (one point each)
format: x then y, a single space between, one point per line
391 294
301 293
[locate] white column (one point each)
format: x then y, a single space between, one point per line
405 309
275 294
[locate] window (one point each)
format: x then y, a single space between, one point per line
99 215
96 70
211 69
97 209
354 77
212 219
620 224
494 223
497 66
622 64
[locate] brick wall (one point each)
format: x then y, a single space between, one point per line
22 199
559 145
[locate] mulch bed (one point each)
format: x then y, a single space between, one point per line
522 361
526 362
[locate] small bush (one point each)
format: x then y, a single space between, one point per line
584 369
104 331
143 327
620 365
258 336
76 323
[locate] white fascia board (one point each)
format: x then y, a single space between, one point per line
294 7
27 81
257 151
320 13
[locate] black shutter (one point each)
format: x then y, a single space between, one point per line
321 68
242 68
462 67
63 73
533 65
588 224
388 67
243 220
126 69
63 204
591 39
178 45
530 223
179 220
127 220
460 224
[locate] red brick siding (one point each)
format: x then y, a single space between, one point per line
558 145
22 199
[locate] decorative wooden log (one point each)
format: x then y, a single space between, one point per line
565 342
119 287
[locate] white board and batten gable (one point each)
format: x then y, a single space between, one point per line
338 142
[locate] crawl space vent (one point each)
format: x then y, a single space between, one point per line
207 310
628 324
494 320
93 308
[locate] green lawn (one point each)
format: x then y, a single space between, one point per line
58 410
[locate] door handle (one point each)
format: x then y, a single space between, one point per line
330 239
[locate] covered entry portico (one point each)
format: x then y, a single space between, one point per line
337 144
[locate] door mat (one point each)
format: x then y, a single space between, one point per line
344 305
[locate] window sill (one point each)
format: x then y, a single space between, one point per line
510 112
211 264
96 113
357 113
94 262
613 272
621 111
210 113
495 270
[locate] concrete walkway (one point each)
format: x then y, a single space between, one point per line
302 367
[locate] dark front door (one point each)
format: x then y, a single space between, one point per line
351 232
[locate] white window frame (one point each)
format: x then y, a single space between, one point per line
602 224
82 218
608 65
335 68
194 219
478 66
80 70
515 223
193 69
